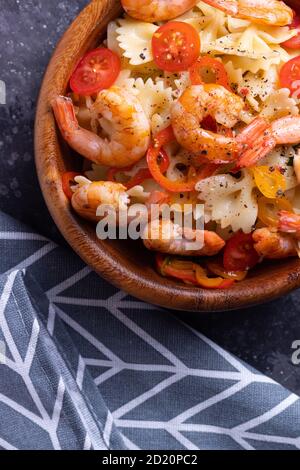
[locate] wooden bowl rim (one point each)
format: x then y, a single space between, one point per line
98 255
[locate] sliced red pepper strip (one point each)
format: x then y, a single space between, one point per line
67 180
208 170
215 266
164 265
182 275
163 181
160 261
164 138
112 172
142 174
211 283
226 284
189 273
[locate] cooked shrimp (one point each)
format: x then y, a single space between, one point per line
157 10
88 196
166 237
122 119
192 107
289 223
297 165
271 12
283 131
273 245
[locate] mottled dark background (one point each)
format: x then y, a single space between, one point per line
29 30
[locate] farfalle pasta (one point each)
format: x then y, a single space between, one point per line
193 104
134 38
229 201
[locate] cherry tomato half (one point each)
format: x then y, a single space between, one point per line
240 254
294 43
290 75
67 181
96 71
268 210
270 181
175 46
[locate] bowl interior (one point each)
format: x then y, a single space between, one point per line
126 264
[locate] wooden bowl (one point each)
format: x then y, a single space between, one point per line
126 264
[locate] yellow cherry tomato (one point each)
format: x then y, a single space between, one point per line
269 180
268 210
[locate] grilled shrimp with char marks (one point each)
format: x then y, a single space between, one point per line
123 121
166 237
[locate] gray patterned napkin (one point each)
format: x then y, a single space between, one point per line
84 366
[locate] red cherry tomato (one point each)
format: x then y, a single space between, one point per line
294 43
67 181
209 63
176 46
96 71
240 254
290 76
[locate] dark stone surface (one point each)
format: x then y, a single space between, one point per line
29 30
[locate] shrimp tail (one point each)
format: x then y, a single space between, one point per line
260 138
255 142
260 149
253 131
65 115
123 121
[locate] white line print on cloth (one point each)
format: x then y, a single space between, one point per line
178 427
246 433
2 353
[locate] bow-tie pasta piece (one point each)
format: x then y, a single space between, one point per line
229 201
134 38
